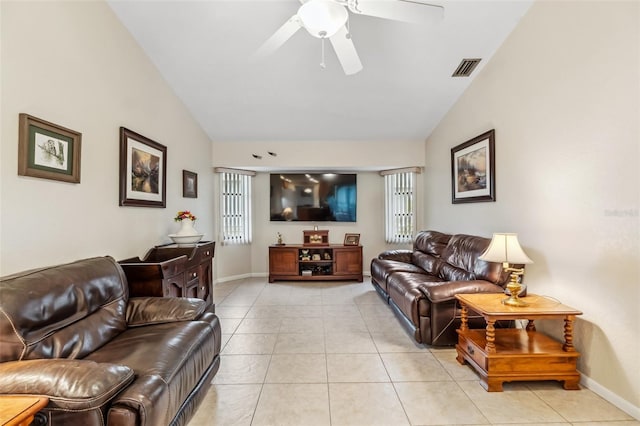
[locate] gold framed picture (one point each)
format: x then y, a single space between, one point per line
351 239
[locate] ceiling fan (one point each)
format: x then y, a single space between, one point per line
330 19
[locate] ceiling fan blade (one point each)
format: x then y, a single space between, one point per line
280 37
399 10
346 51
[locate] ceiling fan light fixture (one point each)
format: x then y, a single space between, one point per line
322 18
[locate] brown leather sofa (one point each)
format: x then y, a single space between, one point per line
421 284
71 332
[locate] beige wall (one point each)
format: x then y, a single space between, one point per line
563 95
72 63
366 158
327 155
243 261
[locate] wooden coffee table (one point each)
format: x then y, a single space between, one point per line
507 355
19 410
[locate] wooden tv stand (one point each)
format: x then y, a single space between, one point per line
319 262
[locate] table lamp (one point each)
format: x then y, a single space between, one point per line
506 249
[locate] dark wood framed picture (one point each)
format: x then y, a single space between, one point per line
351 239
473 170
189 184
143 171
48 151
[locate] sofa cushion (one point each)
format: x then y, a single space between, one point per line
431 242
463 251
70 384
450 273
156 310
403 289
65 311
381 269
427 262
168 359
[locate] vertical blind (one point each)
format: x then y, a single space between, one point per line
235 194
400 218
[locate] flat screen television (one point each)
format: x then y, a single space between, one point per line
313 197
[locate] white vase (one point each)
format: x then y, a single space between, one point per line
186 228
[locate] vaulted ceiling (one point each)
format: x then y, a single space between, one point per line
203 49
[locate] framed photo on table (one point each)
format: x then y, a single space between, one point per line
47 150
473 170
143 171
351 239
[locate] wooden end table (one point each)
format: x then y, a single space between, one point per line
507 355
19 410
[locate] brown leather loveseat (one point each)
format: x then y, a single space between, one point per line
71 332
421 284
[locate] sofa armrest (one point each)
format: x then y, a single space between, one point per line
156 310
70 384
397 255
438 292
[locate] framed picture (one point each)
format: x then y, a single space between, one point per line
473 170
351 239
189 184
143 171
48 151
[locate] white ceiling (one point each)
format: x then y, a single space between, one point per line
203 49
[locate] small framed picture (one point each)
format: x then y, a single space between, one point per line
143 171
48 151
351 239
189 184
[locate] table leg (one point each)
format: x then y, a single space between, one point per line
491 336
568 334
463 318
531 326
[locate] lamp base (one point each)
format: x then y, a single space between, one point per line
514 288
514 301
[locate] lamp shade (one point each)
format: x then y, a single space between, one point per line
322 18
505 248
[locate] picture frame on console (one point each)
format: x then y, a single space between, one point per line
47 150
473 170
143 171
189 184
351 239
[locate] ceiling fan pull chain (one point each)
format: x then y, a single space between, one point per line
322 64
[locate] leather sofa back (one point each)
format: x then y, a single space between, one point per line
427 248
431 242
64 311
461 256
455 257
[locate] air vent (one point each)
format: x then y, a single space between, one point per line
466 67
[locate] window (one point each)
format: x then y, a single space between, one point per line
400 202
235 206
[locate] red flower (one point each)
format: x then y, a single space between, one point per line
186 214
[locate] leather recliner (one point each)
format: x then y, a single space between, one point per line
421 284
71 333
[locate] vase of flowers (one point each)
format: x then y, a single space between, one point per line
186 219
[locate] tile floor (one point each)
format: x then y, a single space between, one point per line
320 353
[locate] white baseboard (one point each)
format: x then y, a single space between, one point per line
609 396
259 275
232 278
